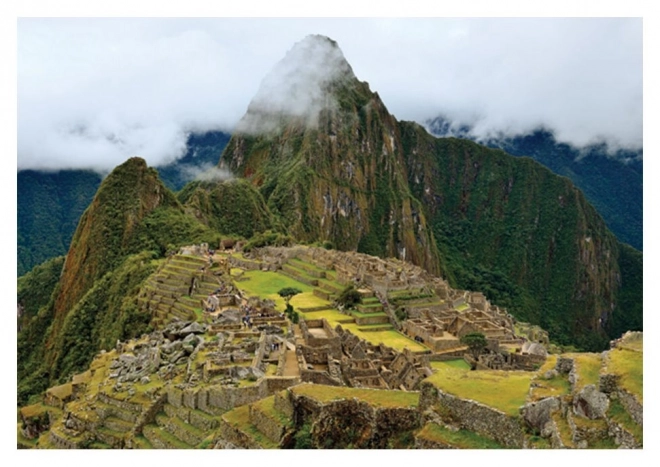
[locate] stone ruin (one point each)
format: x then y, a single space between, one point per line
339 358
437 315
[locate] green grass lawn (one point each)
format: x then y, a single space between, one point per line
375 397
588 368
557 386
628 364
391 338
502 390
266 284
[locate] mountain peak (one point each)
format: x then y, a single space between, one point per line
298 88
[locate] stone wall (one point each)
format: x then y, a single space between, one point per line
284 404
266 425
473 416
632 406
350 423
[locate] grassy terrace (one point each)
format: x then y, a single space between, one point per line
266 284
628 364
267 406
462 439
620 415
392 338
588 368
374 397
502 390
240 418
557 386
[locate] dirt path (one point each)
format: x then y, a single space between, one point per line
291 364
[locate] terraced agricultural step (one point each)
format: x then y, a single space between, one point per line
107 410
329 287
371 308
181 430
117 424
268 420
114 438
372 318
181 313
140 442
236 428
161 439
298 277
312 309
384 327
323 294
310 269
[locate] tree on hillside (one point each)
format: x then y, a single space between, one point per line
287 293
476 342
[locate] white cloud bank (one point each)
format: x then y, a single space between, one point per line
93 92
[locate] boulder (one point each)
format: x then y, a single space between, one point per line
591 403
564 365
537 415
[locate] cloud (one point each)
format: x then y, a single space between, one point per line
297 87
93 92
205 173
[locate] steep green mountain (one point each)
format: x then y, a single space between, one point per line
611 182
132 220
334 165
337 173
50 203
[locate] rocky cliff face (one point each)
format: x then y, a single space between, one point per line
332 162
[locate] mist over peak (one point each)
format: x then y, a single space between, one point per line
298 86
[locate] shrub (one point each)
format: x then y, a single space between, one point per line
349 297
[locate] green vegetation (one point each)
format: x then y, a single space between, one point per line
374 397
462 439
349 297
49 206
503 390
240 418
268 238
620 415
303 437
287 293
233 207
476 343
556 386
588 368
629 365
267 284
106 313
36 287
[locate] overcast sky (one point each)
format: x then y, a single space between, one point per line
93 92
